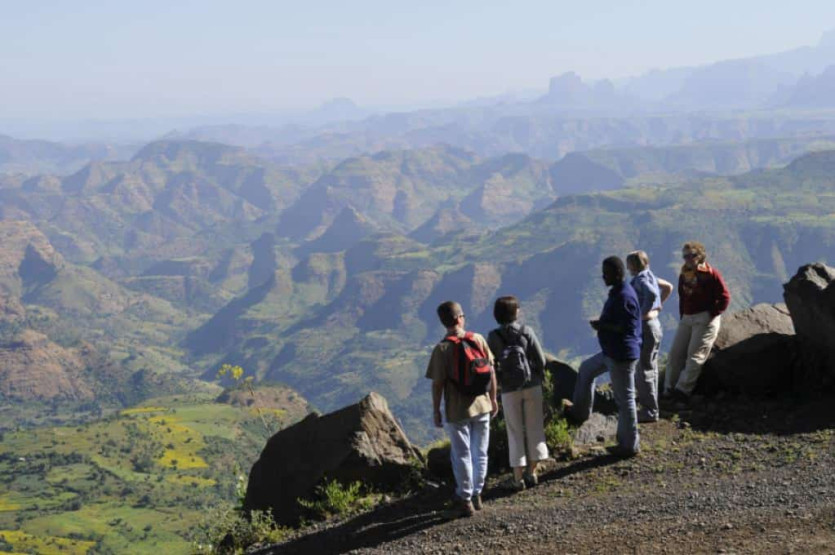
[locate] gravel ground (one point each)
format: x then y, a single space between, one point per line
757 477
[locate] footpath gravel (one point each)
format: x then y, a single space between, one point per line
736 476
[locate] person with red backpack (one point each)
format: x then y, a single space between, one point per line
461 370
520 367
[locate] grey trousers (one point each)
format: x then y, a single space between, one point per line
646 377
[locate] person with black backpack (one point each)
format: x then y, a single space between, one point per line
461 370
520 368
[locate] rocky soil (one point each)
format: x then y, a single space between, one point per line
733 475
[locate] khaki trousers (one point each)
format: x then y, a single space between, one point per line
694 340
525 422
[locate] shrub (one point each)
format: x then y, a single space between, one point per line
333 499
557 436
225 530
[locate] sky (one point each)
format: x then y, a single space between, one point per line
116 59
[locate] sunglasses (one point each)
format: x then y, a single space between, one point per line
689 256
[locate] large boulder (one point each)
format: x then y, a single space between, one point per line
810 296
361 442
563 379
755 352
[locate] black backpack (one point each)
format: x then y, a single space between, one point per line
513 360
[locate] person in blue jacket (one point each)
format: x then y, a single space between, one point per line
619 334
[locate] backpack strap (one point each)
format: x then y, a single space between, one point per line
469 338
511 343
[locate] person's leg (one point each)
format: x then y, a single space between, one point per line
705 330
678 353
623 386
583 399
534 429
515 424
480 439
462 467
646 377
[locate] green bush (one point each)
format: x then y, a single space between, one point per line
334 499
557 436
227 531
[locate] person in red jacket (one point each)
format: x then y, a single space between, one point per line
703 297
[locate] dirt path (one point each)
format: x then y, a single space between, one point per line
756 478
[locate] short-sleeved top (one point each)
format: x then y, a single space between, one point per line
621 310
533 351
457 406
646 287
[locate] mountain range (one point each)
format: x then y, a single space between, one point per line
144 276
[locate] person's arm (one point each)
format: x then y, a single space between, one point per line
666 289
631 317
535 353
612 317
722 297
436 372
437 393
494 389
680 300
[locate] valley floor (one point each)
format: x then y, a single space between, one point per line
735 476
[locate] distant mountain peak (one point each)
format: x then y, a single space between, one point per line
347 229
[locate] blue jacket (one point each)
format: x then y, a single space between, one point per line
622 310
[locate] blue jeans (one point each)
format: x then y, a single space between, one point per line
468 441
622 373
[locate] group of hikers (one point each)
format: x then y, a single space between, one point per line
467 371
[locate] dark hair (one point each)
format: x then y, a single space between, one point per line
506 309
701 252
616 264
448 312
638 259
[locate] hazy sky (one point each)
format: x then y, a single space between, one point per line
112 58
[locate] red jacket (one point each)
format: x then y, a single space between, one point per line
707 292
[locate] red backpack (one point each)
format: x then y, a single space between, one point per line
471 372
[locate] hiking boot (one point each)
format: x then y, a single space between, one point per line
477 504
568 413
680 400
621 452
644 417
460 508
515 485
531 480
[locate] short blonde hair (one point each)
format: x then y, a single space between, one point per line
638 259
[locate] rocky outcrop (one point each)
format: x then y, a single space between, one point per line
755 352
360 442
810 296
34 368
